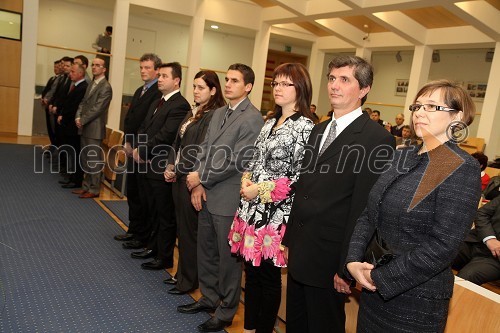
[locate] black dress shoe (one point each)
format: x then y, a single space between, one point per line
154 265
64 182
170 280
124 237
175 291
194 308
71 185
214 325
146 254
133 244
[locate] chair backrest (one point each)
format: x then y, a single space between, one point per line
492 172
109 130
472 145
114 154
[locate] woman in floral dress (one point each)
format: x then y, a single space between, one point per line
266 195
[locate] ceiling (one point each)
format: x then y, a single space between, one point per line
389 23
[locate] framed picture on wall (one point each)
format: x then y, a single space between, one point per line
401 87
10 25
476 90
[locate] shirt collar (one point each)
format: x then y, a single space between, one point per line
167 96
148 85
346 119
78 82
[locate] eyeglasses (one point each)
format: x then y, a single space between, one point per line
282 84
429 108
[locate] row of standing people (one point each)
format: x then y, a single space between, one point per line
298 198
76 110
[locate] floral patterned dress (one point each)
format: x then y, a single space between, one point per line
260 224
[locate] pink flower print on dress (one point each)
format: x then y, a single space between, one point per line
248 250
267 242
281 189
235 236
280 258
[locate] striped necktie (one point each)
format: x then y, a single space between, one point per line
332 134
144 89
226 116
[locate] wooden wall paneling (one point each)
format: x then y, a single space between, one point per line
9 106
12 5
10 62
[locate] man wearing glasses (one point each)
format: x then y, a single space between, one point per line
91 119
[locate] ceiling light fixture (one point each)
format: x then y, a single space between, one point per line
214 26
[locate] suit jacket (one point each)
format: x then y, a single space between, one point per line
93 110
68 109
331 193
427 237
47 87
160 129
487 222
61 92
399 141
139 107
224 155
189 145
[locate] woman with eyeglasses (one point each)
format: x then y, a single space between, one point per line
422 207
266 195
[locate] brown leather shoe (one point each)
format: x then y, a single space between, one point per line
79 191
88 195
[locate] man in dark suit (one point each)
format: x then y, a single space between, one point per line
66 120
155 138
138 230
339 169
49 117
91 118
215 187
478 260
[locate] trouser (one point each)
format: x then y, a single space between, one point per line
476 264
92 164
137 207
262 296
219 271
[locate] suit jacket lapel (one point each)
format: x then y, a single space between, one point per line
235 115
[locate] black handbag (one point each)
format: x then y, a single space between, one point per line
378 252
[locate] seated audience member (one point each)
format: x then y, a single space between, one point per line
375 116
269 115
483 161
315 117
368 111
397 129
478 258
405 139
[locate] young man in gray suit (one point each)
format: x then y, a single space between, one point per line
90 119
215 186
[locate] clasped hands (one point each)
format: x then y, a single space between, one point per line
361 272
248 190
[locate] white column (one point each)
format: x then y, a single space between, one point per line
118 49
419 74
364 53
28 67
196 31
316 71
490 114
259 60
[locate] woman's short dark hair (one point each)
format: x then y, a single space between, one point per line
454 96
299 75
363 71
215 101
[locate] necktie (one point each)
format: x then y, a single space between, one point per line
144 90
159 105
72 87
226 116
94 84
331 136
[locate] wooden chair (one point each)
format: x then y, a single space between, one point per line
472 145
115 161
492 172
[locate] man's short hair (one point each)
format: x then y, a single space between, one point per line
363 71
67 59
84 59
109 29
153 57
376 111
247 71
176 70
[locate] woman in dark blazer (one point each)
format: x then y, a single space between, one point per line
423 207
207 97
